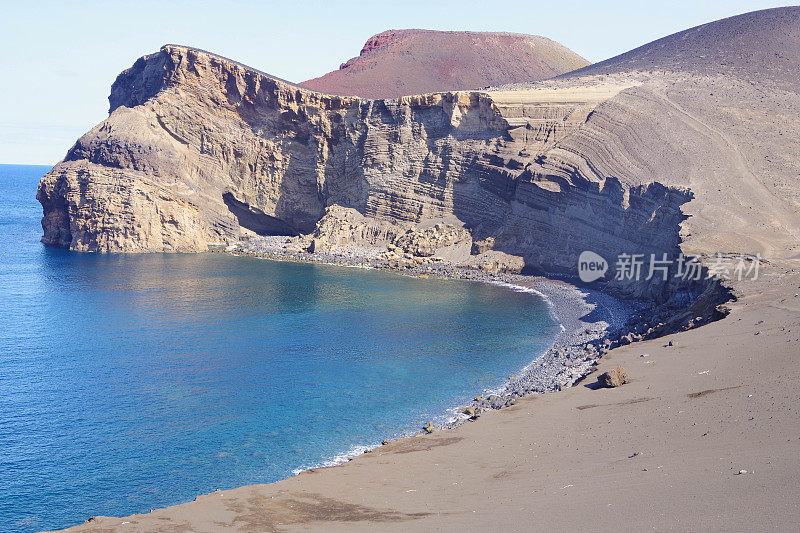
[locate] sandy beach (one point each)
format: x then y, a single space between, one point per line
663 452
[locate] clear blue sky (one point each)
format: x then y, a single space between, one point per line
59 59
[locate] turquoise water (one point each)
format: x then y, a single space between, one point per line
130 382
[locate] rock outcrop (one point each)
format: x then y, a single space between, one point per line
616 377
396 63
202 151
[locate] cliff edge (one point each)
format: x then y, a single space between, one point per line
632 156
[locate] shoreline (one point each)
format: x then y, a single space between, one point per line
575 349
572 356
651 442
566 362
575 353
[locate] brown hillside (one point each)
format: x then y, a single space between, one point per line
402 62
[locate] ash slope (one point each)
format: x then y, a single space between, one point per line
756 45
402 62
715 109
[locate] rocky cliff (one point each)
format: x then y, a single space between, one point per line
401 62
199 150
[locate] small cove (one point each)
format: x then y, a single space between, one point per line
130 382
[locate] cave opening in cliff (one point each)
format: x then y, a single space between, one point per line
256 220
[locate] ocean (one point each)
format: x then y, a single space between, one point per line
131 382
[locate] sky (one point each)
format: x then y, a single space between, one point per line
59 59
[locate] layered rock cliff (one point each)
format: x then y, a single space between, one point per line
201 151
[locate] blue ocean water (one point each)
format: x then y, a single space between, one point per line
131 382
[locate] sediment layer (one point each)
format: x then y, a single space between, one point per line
200 151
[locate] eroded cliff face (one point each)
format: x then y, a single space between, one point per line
199 150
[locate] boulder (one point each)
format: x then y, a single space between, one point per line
482 246
424 242
614 378
471 411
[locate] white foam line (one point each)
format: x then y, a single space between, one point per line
355 451
338 459
519 288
